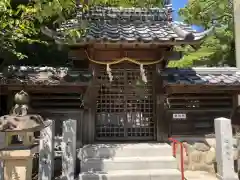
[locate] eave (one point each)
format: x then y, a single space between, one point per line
197 88
185 38
201 80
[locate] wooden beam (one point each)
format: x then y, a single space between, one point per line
179 88
44 88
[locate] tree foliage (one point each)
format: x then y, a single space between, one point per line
15 26
219 47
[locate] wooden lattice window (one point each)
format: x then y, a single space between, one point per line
123 110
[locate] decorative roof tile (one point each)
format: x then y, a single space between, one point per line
193 76
132 14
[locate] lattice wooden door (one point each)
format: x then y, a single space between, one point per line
124 111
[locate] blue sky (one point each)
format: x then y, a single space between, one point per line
180 4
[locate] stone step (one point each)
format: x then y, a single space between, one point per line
125 150
127 163
199 175
154 174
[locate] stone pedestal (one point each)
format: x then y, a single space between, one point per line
18 163
17 155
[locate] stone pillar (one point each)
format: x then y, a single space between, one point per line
237 130
46 152
2 144
236 8
69 149
224 149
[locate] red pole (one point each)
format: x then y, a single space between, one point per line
182 161
182 148
174 149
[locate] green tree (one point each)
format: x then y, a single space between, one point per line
20 35
219 47
15 26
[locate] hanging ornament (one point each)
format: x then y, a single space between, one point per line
110 76
140 88
142 73
93 72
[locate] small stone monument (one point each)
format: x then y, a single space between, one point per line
235 121
224 149
19 144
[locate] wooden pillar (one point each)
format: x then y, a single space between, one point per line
84 127
91 132
89 122
80 129
88 126
162 128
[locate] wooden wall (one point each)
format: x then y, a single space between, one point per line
194 114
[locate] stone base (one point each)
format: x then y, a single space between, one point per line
18 169
200 154
18 163
235 177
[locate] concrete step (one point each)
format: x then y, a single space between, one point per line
127 163
126 150
154 174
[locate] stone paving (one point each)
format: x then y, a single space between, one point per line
199 175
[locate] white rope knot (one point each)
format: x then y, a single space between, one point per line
142 73
109 72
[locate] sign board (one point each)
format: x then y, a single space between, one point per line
179 116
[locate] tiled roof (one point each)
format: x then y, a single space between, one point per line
131 25
14 75
211 76
139 32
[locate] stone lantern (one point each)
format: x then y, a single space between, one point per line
19 144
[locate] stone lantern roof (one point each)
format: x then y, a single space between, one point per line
19 120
